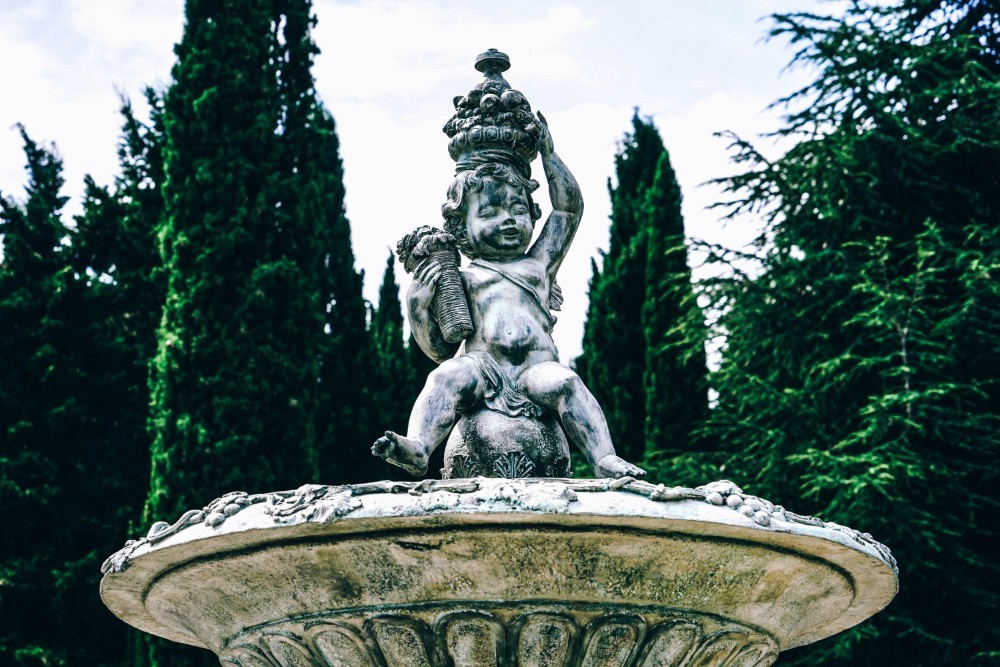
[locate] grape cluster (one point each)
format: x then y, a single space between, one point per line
492 116
725 493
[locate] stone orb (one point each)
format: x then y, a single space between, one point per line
491 444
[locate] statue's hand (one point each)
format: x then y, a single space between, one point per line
615 466
425 280
545 145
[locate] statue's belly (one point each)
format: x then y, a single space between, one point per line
512 333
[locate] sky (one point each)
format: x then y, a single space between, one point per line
388 72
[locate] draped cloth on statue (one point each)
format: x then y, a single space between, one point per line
502 394
554 302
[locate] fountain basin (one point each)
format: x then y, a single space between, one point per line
498 572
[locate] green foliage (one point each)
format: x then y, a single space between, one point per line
33 381
263 349
674 373
347 406
650 379
613 355
78 306
860 375
229 209
395 379
250 163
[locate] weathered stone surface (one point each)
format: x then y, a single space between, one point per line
492 571
500 392
492 444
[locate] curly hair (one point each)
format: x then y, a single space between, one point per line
466 183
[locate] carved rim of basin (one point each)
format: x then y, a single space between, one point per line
509 564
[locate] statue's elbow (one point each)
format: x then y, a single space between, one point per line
441 353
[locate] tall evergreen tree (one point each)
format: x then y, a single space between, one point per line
242 240
395 375
347 407
613 355
34 379
344 405
116 312
259 271
674 370
116 251
860 374
644 280
79 313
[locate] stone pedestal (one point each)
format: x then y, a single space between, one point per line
486 442
481 572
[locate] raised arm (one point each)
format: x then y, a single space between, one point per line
567 205
424 327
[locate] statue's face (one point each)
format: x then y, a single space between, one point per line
498 221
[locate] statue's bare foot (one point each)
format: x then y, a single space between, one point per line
407 453
615 466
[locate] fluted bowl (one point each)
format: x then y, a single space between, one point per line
480 572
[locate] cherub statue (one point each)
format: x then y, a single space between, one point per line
506 372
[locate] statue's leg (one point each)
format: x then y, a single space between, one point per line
453 387
557 388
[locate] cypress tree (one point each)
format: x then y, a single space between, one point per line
674 369
114 255
78 309
860 375
259 271
235 374
347 408
613 357
344 402
645 279
35 385
395 375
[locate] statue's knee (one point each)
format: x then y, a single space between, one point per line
558 384
571 385
453 376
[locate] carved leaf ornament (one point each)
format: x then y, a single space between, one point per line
476 638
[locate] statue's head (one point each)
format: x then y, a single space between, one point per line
490 211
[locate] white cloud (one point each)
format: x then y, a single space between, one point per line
388 71
72 60
23 79
116 26
396 49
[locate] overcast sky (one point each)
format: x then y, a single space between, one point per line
389 70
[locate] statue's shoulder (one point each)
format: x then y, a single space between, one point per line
530 268
476 279
473 273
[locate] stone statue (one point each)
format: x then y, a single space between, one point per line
509 406
491 572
